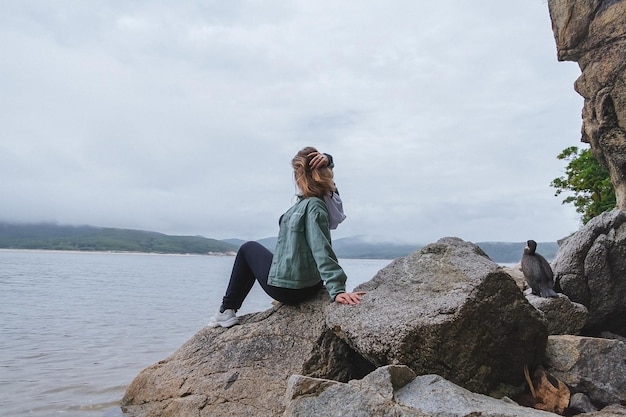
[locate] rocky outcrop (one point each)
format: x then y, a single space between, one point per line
447 310
590 268
593 33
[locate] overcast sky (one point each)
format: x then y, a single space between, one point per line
444 118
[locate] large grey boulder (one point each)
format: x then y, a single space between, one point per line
594 366
242 371
590 268
446 310
394 391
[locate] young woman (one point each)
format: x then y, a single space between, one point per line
303 260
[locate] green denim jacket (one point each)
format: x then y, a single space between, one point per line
304 253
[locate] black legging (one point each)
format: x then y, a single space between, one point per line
253 261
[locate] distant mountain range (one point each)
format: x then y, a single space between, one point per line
90 238
361 247
356 247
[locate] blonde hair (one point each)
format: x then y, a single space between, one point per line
311 182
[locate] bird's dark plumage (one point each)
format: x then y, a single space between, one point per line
537 271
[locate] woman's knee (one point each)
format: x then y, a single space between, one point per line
254 250
250 246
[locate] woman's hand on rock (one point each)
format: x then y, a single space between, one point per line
350 298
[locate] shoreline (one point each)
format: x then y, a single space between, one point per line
215 254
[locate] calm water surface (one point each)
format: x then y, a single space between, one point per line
76 328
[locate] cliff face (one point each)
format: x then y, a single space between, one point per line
593 33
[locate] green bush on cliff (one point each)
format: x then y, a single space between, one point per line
588 180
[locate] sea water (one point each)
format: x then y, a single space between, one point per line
76 327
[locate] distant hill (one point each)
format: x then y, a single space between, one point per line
359 247
511 252
352 248
90 238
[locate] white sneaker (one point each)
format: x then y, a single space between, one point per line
225 319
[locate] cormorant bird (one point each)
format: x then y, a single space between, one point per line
537 271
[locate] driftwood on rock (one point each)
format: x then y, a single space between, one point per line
548 393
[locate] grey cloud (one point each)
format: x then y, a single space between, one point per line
443 118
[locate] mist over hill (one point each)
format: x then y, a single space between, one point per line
91 238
